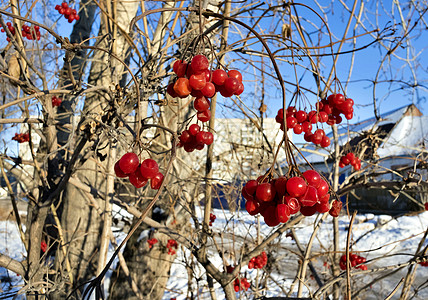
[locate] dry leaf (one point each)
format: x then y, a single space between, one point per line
14 69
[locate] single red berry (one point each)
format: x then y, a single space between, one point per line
43 246
298 129
269 216
137 179
252 207
208 90
323 188
194 129
336 207
251 187
219 76
129 163
235 74
208 138
308 210
182 87
280 185
204 116
197 81
325 142
118 171
240 89
200 63
306 126
296 186
301 116
312 177
156 181
265 192
322 207
282 213
231 85
310 198
293 204
149 168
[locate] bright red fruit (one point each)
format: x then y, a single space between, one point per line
231 85
325 142
200 63
219 76
129 163
251 186
322 188
204 116
336 207
322 207
240 89
156 181
312 177
426 206
252 207
149 168
235 74
118 171
270 216
306 126
182 87
310 198
301 116
293 204
137 179
291 122
208 90
280 185
194 129
282 213
298 129
208 138
308 210
265 192
170 90
296 186
201 104
197 81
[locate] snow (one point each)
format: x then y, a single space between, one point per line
383 240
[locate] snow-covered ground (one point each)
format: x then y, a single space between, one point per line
383 245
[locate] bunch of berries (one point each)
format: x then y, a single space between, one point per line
258 262
43 246
350 159
195 138
334 105
171 245
139 174
355 260
240 285
277 199
11 29
424 263
69 13
300 122
29 32
21 137
151 242
212 218
56 101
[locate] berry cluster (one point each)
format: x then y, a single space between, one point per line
194 138
170 245
301 121
139 174
30 32
43 246
277 199
69 13
424 263
350 159
355 260
240 285
151 242
56 101
21 137
258 262
212 218
334 105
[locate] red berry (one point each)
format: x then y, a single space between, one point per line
64 4
322 207
156 181
208 90
118 171
310 198
298 129
265 192
308 210
426 206
251 186
197 81
312 177
231 85
282 213
219 76
269 216
323 188
296 186
137 179
204 116
336 207
194 129
301 116
307 126
325 142
200 63
149 168
182 87
235 74
170 90
291 122
208 138
293 204
201 104
280 185
240 89
129 163
252 207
